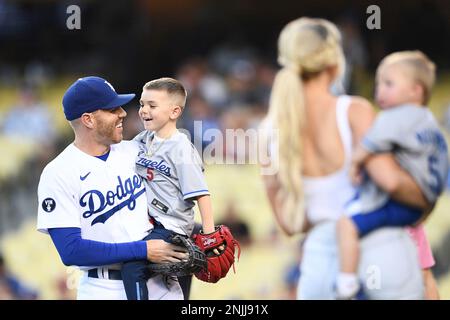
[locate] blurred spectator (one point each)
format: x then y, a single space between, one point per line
241 81
199 118
265 74
36 73
199 79
238 227
236 146
11 287
191 74
132 124
225 57
214 90
30 119
355 53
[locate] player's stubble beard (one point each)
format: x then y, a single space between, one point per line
108 133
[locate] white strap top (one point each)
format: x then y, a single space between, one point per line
326 196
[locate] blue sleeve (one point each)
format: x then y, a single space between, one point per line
74 250
392 214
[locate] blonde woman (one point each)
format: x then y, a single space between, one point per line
408 129
317 132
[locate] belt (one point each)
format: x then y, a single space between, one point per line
105 273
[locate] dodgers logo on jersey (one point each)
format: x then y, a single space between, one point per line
48 205
97 202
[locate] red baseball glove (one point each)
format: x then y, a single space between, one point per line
218 265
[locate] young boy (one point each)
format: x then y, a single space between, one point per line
172 172
408 129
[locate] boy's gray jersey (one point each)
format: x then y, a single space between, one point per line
173 176
413 135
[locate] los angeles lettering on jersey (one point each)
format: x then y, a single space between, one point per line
96 201
159 166
433 137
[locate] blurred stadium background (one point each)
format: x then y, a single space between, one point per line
224 52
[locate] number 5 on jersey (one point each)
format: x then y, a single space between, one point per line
150 174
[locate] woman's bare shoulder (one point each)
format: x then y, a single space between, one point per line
360 104
361 116
360 108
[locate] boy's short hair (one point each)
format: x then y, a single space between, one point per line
172 86
423 69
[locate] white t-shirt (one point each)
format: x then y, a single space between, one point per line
106 199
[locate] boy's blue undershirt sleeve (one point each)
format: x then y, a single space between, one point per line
76 251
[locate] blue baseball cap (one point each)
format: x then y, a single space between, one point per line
89 94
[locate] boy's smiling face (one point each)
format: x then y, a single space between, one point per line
157 109
395 86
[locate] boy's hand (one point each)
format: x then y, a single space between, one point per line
219 250
218 265
359 157
355 174
208 230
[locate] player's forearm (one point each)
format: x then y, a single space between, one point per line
205 208
74 250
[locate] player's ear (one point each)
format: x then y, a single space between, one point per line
87 119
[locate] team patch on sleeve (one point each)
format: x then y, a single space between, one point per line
49 204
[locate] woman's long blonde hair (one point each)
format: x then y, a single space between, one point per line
306 47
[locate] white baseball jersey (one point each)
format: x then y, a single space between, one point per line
173 174
105 199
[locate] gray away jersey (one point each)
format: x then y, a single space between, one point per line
173 176
412 134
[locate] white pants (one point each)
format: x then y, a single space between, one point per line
159 288
389 265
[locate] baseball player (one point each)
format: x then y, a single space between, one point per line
92 202
408 129
173 177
